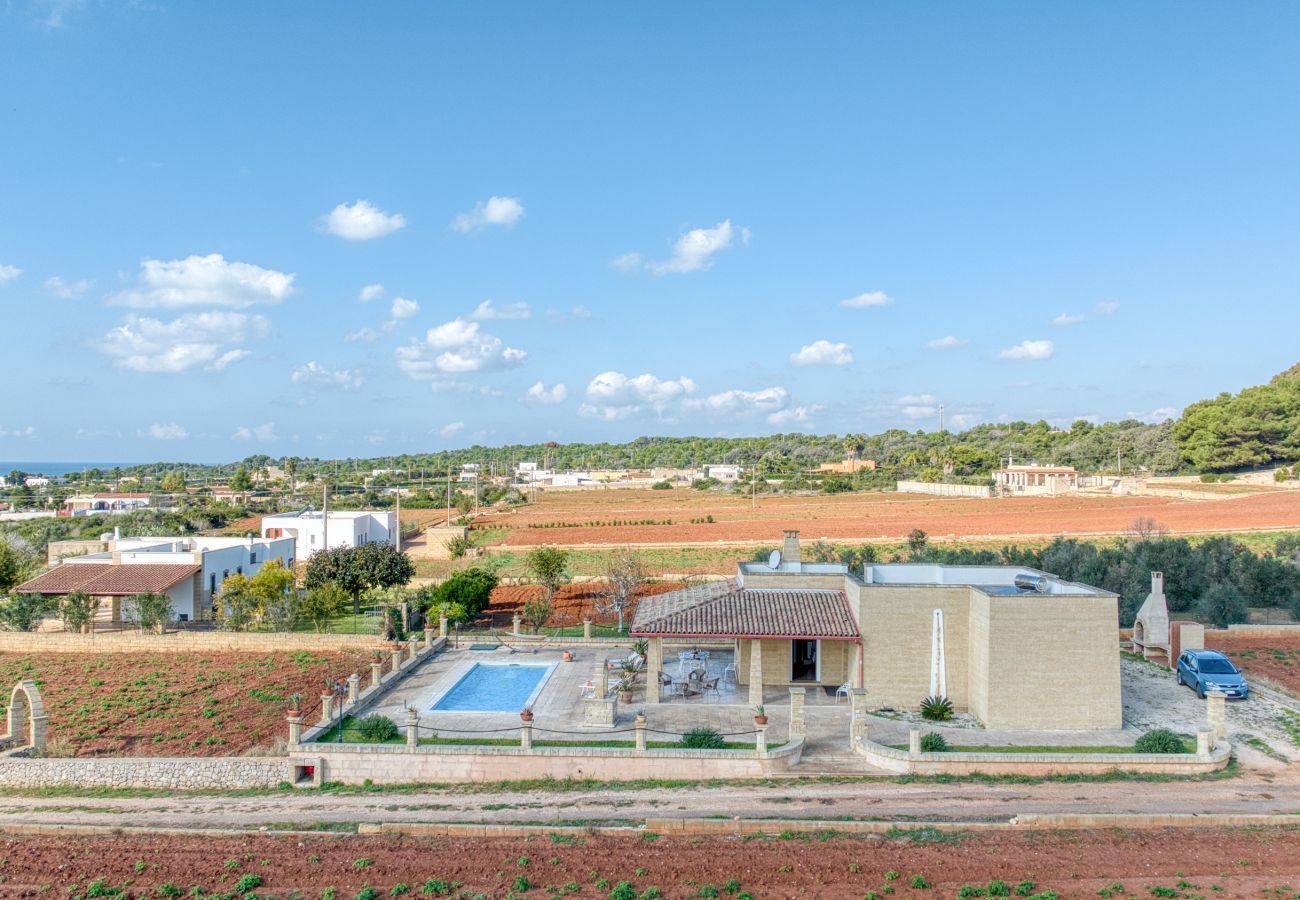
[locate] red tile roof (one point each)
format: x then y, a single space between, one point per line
724 610
108 580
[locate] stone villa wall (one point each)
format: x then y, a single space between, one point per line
938 489
172 774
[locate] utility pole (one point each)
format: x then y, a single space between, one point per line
399 519
448 492
941 418
325 516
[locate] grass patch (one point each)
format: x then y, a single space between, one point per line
1189 746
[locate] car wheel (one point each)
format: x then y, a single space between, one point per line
1179 675
1200 691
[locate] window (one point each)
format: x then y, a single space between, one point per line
313 540
212 583
252 557
239 570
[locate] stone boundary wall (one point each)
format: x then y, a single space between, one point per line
938 489
181 642
903 762
393 764
1257 631
159 773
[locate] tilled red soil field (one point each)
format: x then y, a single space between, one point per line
617 517
174 704
571 602
1186 864
1276 658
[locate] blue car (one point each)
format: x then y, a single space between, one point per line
1210 670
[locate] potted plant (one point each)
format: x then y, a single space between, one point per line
641 647
624 689
526 714
295 704
567 656
760 715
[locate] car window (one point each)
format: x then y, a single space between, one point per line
1214 666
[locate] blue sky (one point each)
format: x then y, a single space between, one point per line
592 221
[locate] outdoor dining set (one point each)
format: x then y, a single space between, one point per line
693 678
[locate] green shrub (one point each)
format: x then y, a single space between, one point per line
936 709
933 742
661 486
702 738
376 729
919 883
248 883
623 891
522 884
1159 740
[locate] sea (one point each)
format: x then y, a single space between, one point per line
55 469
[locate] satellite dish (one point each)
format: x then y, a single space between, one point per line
774 561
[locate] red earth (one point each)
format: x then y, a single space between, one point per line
174 704
921 864
572 602
1276 657
614 517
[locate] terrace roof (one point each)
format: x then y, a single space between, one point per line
108 580
723 609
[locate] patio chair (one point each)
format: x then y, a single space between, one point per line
695 682
842 691
729 672
666 683
587 689
635 658
710 684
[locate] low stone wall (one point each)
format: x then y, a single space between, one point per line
938 489
904 762
171 774
180 642
393 764
1257 631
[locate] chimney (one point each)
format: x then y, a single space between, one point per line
1158 584
790 548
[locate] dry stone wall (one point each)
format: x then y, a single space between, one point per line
170 774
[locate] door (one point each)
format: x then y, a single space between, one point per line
805 661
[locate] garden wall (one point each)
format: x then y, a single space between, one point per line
180 642
387 764
217 773
938 489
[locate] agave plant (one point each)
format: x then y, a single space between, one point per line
936 708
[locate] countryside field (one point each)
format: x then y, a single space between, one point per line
918 863
680 517
171 704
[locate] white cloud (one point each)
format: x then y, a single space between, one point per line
767 400
947 342
1069 319
795 415
870 298
165 432
367 334
451 428
695 249
454 386
488 311
454 348
205 281
628 262
403 308
9 273
577 312
918 406
370 293
823 353
613 395
1028 350
265 432
26 431
540 394
1155 416
67 290
197 340
494 211
313 374
1106 307
362 222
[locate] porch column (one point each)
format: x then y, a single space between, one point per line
755 672
857 715
654 664
797 727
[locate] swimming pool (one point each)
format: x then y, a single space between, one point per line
495 687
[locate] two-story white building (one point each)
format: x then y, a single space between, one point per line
349 528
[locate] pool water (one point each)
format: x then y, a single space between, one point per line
495 687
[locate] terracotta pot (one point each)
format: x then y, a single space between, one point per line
760 720
295 712
526 716
625 697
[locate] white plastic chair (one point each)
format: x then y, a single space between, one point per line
842 691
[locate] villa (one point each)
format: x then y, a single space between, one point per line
1014 647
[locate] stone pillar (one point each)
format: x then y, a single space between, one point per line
1204 742
755 673
354 688
397 657
600 679
526 735
761 742
640 732
412 727
115 610
413 646
797 727
586 629
376 673
442 626
295 730
326 708
1215 713
654 664
914 740
515 621
857 715
428 635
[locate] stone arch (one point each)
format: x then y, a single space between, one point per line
26 717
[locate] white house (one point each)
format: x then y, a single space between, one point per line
190 570
104 504
349 528
723 472
469 472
